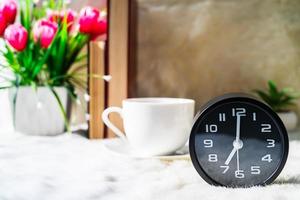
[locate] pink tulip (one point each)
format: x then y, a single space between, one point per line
58 17
9 10
87 19
44 31
91 22
16 36
3 24
99 28
53 15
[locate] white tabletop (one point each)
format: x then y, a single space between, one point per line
70 167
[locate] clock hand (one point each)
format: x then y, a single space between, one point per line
230 156
236 146
238 125
237 143
237 161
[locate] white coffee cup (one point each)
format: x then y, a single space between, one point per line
154 126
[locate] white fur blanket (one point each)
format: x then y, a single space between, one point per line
70 167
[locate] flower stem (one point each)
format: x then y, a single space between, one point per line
63 111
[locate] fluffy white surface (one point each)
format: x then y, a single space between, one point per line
70 167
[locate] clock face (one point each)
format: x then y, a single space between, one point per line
238 142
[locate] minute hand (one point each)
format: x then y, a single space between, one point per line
238 125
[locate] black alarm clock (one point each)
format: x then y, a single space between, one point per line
238 141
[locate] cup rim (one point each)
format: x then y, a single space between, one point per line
159 101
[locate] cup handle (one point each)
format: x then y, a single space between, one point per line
109 124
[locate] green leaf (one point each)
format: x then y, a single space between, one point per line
44 58
5 87
279 100
264 96
11 59
62 45
26 6
15 96
81 58
273 89
51 4
63 111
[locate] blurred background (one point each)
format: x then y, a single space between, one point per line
200 49
203 48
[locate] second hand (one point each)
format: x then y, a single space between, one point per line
237 161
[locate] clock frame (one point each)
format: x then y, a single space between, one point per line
230 98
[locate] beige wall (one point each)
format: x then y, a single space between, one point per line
203 48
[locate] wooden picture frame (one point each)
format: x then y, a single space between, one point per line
117 56
96 89
113 61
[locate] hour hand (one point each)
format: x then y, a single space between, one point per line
236 146
230 156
